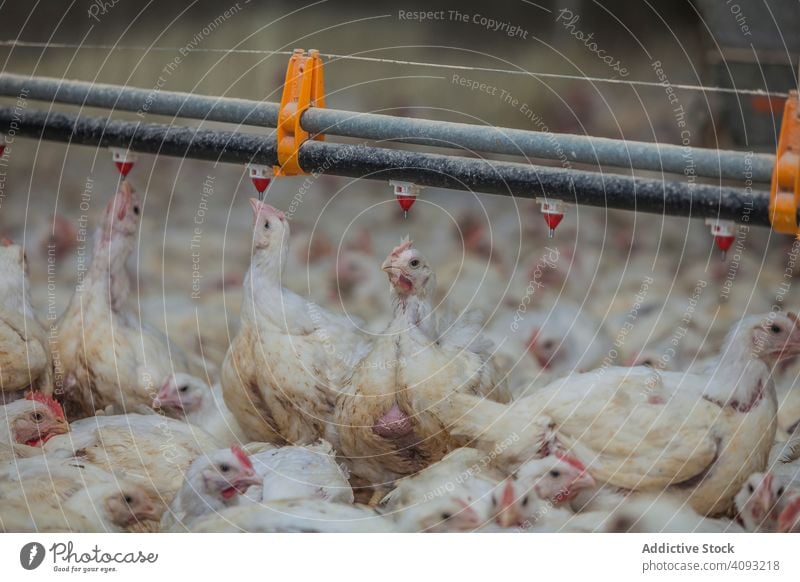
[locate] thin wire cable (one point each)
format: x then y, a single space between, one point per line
680 86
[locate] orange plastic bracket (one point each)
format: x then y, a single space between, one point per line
304 87
784 195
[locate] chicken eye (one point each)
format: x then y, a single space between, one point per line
266 225
136 210
750 489
414 263
446 515
548 344
775 328
525 501
128 499
224 467
780 491
37 417
555 473
183 389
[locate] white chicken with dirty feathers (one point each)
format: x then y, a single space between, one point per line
107 355
299 472
699 435
214 481
382 434
101 507
284 368
45 479
149 449
25 360
186 397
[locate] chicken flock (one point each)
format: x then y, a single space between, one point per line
382 400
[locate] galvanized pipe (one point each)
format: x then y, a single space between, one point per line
151 138
361 161
566 148
140 101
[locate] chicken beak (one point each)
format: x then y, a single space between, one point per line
763 501
149 512
389 266
467 518
246 480
583 481
507 513
60 426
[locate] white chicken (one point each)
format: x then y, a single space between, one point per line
102 507
25 361
149 449
189 398
299 472
538 489
463 473
700 435
213 482
107 356
567 339
382 434
284 368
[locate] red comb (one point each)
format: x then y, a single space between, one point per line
242 456
570 460
404 245
48 401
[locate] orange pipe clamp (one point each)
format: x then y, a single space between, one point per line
784 194
304 87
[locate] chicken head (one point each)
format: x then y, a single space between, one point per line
32 422
228 472
181 393
270 227
409 272
131 504
758 502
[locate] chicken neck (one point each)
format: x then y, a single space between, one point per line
108 268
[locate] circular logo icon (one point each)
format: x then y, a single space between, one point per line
31 555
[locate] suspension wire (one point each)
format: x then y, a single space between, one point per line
331 56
